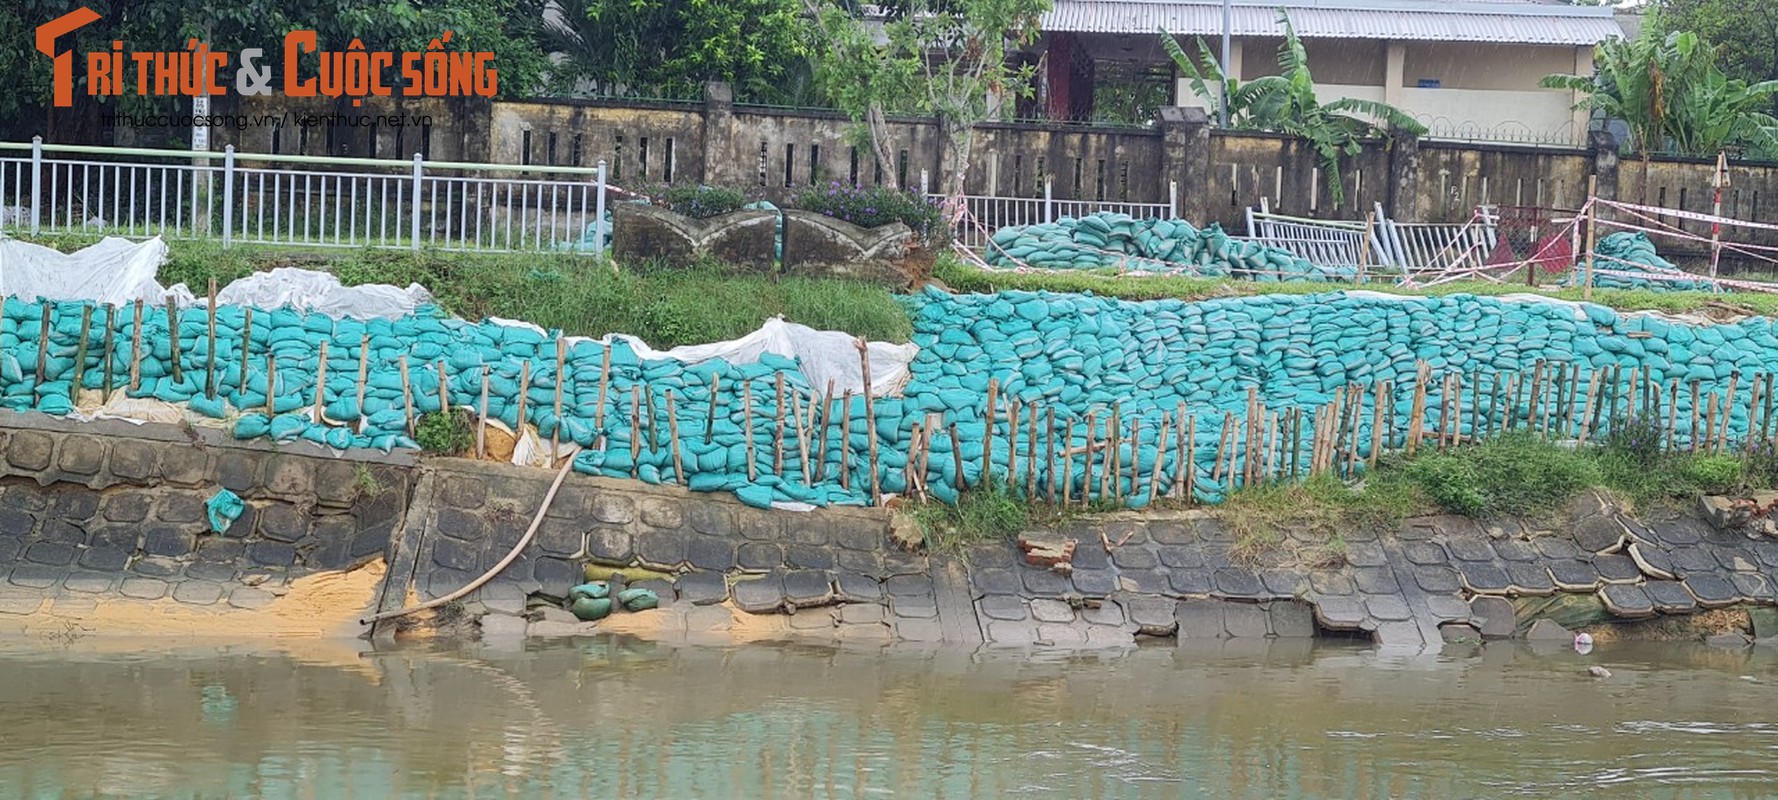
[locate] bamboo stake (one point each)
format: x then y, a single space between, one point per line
86 326
1296 442
444 388
1222 444
802 441
1135 462
1592 233
747 427
1364 246
1086 489
1586 418
778 428
1352 457
1728 402
178 367
846 441
1376 427
636 429
407 394
1031 454
673 436
957 457
1673 415
1160 462
1417 414
271 382
870 421
364 375
988 421
1765 420
210 352
1248 463
1753 407
1049 452
481 420
604 384
555 434
1012 444
111 348
715 393
43 332
1710 424
136 348
524 394
911 466
1179 472
1269 441
320 414
1692 445
1067 462
1536 397
826 421
246 344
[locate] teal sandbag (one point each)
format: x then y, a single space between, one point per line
338 438
211 407
223 509
252 426
591 609
638 599
287 426
755 495
594 590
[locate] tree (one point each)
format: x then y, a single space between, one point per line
1286 103
1667 87
945 58
672 47
1745 33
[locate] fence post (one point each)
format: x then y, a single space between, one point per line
599 214
1173 199
228 195
36 184
1049 201
924 185
419 169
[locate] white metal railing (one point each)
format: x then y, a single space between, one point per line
984 214
301 200
1410 247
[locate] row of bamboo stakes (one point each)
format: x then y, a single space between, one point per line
1564 401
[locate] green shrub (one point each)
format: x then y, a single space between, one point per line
1636 437
872 207
445 434
1714 473
699 202
988 513
1762 464
1513 475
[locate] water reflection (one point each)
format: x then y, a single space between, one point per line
624 718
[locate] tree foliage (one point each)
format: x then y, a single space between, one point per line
944 58
1745 33
1287 103
670 48
1666 86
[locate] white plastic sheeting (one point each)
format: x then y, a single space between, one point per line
822 355
308 291
114 271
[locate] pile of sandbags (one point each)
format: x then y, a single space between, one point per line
1119 241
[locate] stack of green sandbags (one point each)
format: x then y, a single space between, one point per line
1632 252
1108 240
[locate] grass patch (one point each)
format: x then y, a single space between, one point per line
666 305
445 434
963 277
990 513
1322 507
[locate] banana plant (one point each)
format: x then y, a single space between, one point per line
1287 103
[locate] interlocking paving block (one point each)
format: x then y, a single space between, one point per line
992 555
443 580
1483 577
105 559
1000 632
1239 583
809 556
36 576
1733 558
1653 560
1617 568
855 537
1399 634
143 588
1366 554
1147 581
1173 533
909 586
1447 607
914 607
713 553
1675 533
662 550
1047 610
1691 558
1712 591
1108 612
1327 583
1003 606
922 630
459 524
857 587
1514 550
1387 607
1627 600
1283 582
1094 582
64 532
90 582
896 562
1574 575
198 593
1766 551
1465 549
759 556
556 576
663 590
16 523
1291 619
1436 579
995 580
813 620
1529 579
1152 615
1130 532
448 552
702 588
1179 556
1044 583
1598 534
155 566
1340 613
1090 554
1753 586
806 588
76 505
1494 616
1199 619
20 604
1189 581
1670 597
861 562
862 614
220 572
1130 556
1555 547
53 554
762 595
10 547
1423 553
1245 620
1376 580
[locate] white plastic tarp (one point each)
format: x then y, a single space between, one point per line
114 271
308 291
824 355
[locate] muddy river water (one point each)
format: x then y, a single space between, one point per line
612 717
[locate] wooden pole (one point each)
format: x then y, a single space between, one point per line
444 388
1586 417
481 421
1376 427
1364 246
246 344
1592 233
1710 424
846 441
210 352
636 429
555 434
1086 489
271 382
778 428
407 394
1692 444
1049 452
86 327
173 341
320 414
1067 462
673 435
136 348
957 458
1188 462
1536 396
1417 414
1222 445
1160 462
524 393
1135 460
715 392
1012 443
747 427
988 420
1673 414
111 347
1031 453
911 466
802 436
364 375
43 332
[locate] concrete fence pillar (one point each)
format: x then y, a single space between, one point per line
722 167
1185 158
1405 202
1602 146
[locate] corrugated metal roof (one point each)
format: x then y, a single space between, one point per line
1407 20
